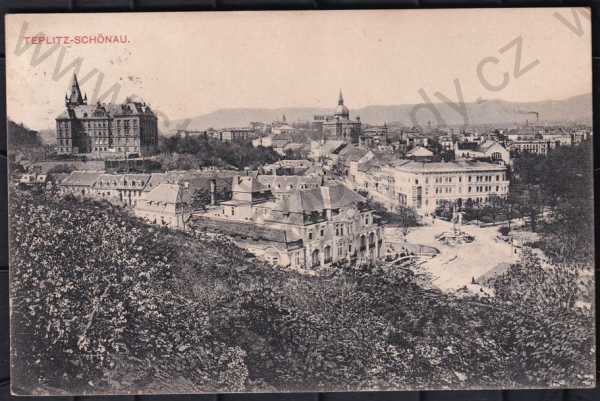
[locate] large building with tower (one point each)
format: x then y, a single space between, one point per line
104 129
339 125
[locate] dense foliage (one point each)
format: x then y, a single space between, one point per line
103 302
562 184
196 151
18 135
404 217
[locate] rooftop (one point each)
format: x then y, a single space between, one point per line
443 167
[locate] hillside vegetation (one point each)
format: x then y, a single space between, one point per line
104 303
193 151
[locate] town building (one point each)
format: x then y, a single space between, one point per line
419 153
374 136
326 149
533 146
316 226
282 186
167 205
241 134
488 150
425 185
128 189
80 183
339 125
122 189
287 167
105 129
282 127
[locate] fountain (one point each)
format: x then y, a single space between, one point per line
457 236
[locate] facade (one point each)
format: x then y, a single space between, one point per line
374 136
231 134
534 146
282 186
488 150
80 183
167 205
124 189
128 189
105 129
326 224
326 149
339 125
419 153
287 167
424 186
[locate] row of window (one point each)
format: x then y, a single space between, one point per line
449 190
477 178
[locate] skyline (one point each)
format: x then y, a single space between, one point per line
308 58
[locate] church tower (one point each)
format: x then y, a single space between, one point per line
75 98
341 110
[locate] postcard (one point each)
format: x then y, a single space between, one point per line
300 201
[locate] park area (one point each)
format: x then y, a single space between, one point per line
457 265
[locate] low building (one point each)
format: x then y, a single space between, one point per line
287 167
80 183
168 205
488 151
282 186
374 136
419 153
533 146
328 148
231 134
122 189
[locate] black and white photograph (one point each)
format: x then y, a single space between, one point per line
300 201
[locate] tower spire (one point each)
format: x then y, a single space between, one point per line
75 97
341 99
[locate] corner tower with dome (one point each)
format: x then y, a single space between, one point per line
340 126
105 130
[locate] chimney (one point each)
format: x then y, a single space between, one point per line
213 190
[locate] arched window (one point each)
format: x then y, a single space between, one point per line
315 258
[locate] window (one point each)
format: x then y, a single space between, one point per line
310 236
322 233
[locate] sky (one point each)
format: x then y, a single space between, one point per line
189 64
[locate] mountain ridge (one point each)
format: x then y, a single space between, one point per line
493 111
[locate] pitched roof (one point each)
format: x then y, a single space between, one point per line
247 184
284 183
168 193
326 197
420 151
122 180
457 165
105 110
81 178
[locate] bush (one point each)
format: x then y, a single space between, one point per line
105 303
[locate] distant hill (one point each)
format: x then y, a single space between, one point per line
18 135
574 109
